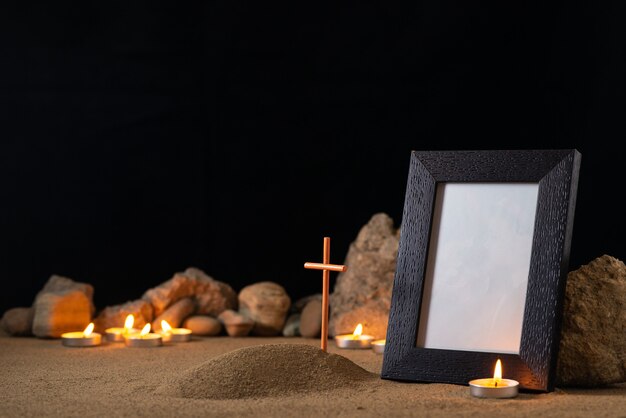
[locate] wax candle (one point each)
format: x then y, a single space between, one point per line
117 334
354 340
378 346
144 338
176 335
495 387
86 338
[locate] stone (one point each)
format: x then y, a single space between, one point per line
211 296
63 305
311 319
593 335
175 314
59 284
292 326
203 325
266 303
236 324
362 294
18 321
299 305
114 316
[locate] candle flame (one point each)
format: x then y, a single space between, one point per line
357 331
497 373
87 332
130 321
165 326
145 331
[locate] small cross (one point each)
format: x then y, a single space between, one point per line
326 268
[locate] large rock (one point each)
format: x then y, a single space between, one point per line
593 336
266 303
362 294
175 314
211 296
63 305
18 321
114 316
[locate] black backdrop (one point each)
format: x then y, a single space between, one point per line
232 136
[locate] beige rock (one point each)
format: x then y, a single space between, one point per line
292 326
593 336
266 303
362 294
114 316
60 284
203 325
311 319
62 305
210 295
175 314
236 325
18 321
59 312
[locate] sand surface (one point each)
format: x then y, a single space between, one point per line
43 378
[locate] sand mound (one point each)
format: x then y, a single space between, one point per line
266 371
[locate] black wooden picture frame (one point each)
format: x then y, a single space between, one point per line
556 172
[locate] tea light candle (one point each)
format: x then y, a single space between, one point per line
378 346
354 340
175 335
117 334
86 338
495 387
144 339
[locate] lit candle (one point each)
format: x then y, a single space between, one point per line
175 335
144 338
86 338
495 387
378 346
117 334
354 340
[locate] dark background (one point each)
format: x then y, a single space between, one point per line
232 136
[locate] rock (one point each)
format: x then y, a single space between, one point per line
311 319
362 294
266 303
236 324
211 296
114 316
292 326
63 305
299 305
59 284
175 314
203 325
593 335
18 321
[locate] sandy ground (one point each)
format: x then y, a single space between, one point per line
43 378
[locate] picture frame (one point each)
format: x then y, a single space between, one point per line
430 226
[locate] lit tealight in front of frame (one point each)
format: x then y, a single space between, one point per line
495 387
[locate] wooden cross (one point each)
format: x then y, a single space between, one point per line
326 268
